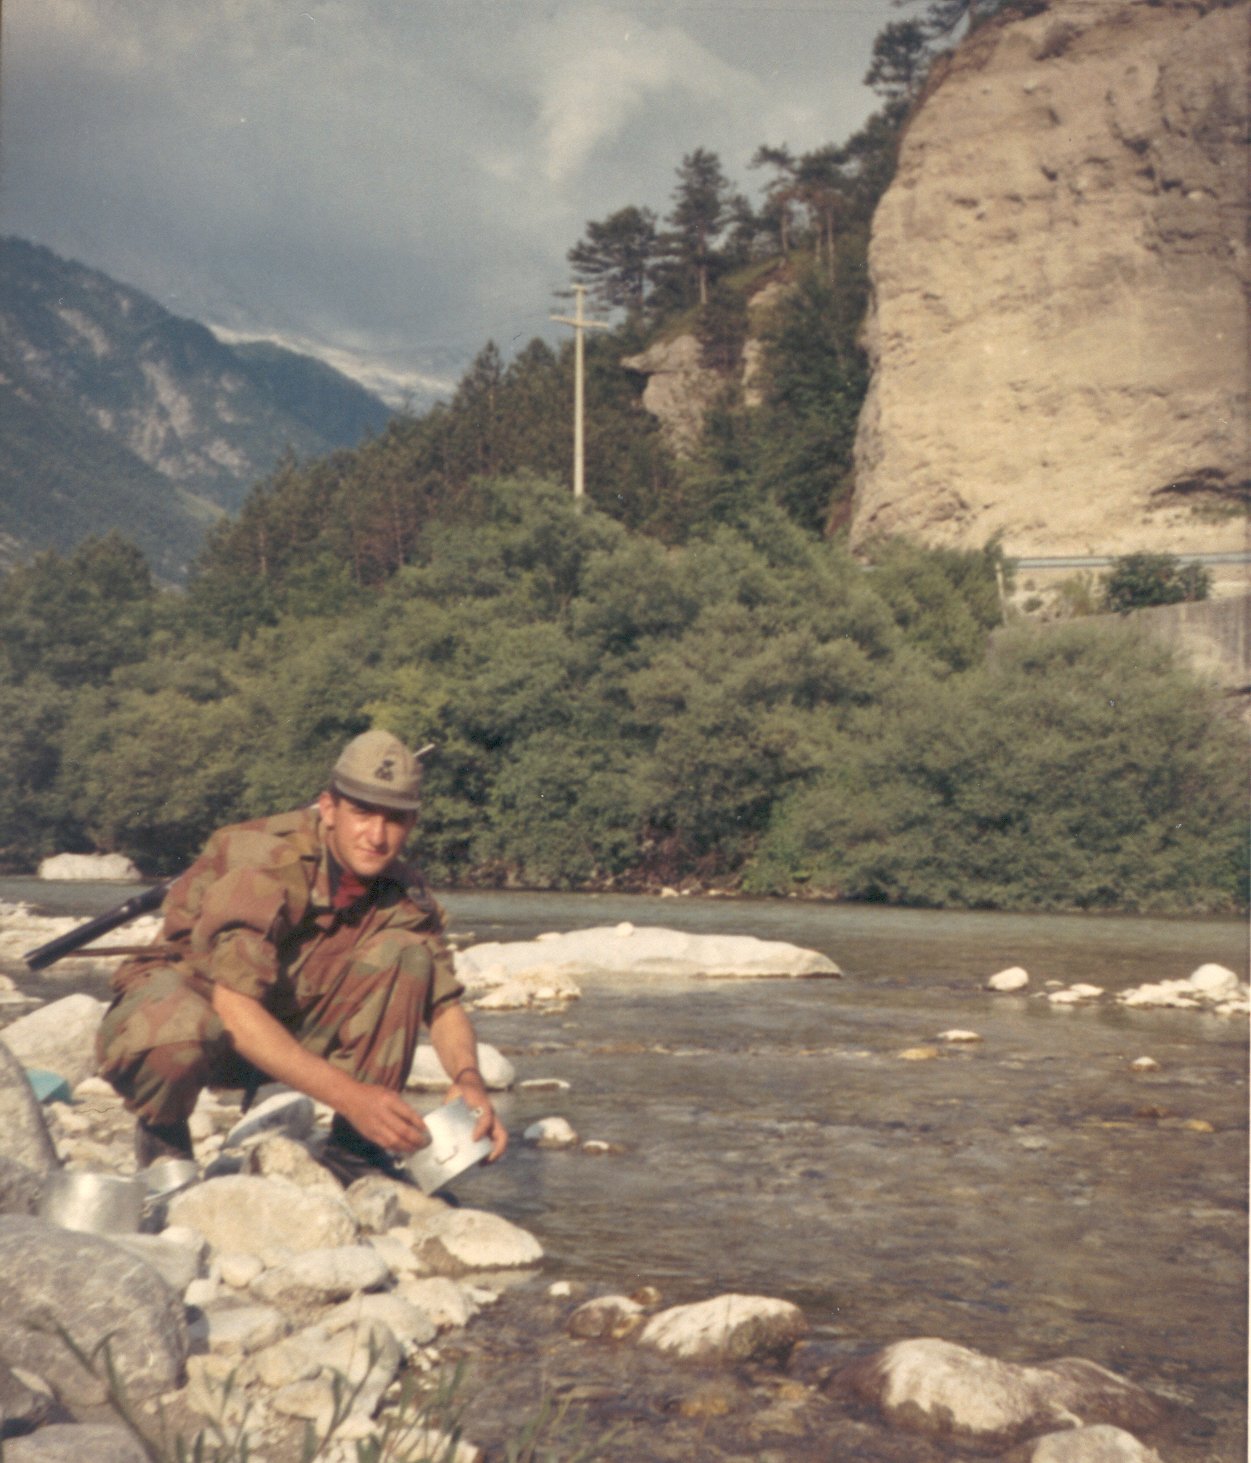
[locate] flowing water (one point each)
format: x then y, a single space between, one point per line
1027 1195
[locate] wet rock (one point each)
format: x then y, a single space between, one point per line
541 986
427 1072
1099 1444
60 1037
1210 987
946 1391
25 1402
92 1289
611 1317
918 1054
447 1304
627 947
601 1148
1012 979
543 1084
252 1214
320 1277
958 1037
1075 995
727 1328
68 1442
109 868
551 1133
1144 1064
460 1240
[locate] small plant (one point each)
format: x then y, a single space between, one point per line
1137 581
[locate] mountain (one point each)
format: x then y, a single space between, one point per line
1058 330
115 413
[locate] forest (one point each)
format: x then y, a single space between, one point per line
687 681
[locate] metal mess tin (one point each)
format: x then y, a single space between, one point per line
451 1149
95 1203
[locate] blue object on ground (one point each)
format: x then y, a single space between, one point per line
48 1086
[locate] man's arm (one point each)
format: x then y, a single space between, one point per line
456 1046
376 1113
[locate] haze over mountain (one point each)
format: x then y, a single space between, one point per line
116 413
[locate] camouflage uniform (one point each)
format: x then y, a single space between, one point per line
255 912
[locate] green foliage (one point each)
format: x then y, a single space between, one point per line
1139 580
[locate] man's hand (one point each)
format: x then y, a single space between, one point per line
473 1090
385 1118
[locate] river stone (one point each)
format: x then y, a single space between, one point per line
1098 1444
728 1328
25 1402
551 1133
232 1330
20 1187
641 950
543 985
427 1072
275 1155
283 1111
611 1316
947 1391
92 1289
1211 987
69 1442
255 1215
460 1240
110 868
1012 979
177 1264
24 1136
320 1277
448 1304
408 1323
60 1037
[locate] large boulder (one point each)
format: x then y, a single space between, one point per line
24 1136
728 1328
59 1037
114 868
55 1280
955 1394
1057 331
254 1215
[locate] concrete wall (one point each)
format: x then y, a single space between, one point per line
1213 634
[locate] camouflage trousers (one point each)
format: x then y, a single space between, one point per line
161 1043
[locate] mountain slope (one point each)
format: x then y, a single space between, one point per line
116 413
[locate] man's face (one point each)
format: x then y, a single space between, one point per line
364 839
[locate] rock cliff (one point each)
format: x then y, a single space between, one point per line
1058 333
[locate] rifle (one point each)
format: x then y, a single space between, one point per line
82 934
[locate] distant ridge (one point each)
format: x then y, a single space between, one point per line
114 413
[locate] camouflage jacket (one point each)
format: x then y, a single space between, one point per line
256 905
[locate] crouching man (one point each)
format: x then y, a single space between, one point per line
300 949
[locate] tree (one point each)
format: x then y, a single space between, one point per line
1139 580
701 208
901 57
780 191
615 257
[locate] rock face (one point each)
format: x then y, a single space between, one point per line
1058 328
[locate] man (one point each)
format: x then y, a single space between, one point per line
301 949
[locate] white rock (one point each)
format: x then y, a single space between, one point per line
318 1277
1210 987
202 1292
238 1269
427 1072
472 1239
60 1037
408 1323
1012 979
726 1328
543 985
1144 1064
256 1215
551 1133
948 1391
239 1330
543 1084
1075 995
176 1264
113 868
610 1316
1099 1444
1216 982
447 1304
958 1036
646 950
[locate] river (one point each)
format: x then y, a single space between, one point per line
1028 1194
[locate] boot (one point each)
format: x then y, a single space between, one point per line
162 1140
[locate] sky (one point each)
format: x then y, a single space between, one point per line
389 184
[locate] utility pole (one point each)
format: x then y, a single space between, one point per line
579 323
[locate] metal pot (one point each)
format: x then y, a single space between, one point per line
95 1203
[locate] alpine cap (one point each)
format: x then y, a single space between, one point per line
378 769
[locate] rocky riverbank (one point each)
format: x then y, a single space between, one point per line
259 1288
